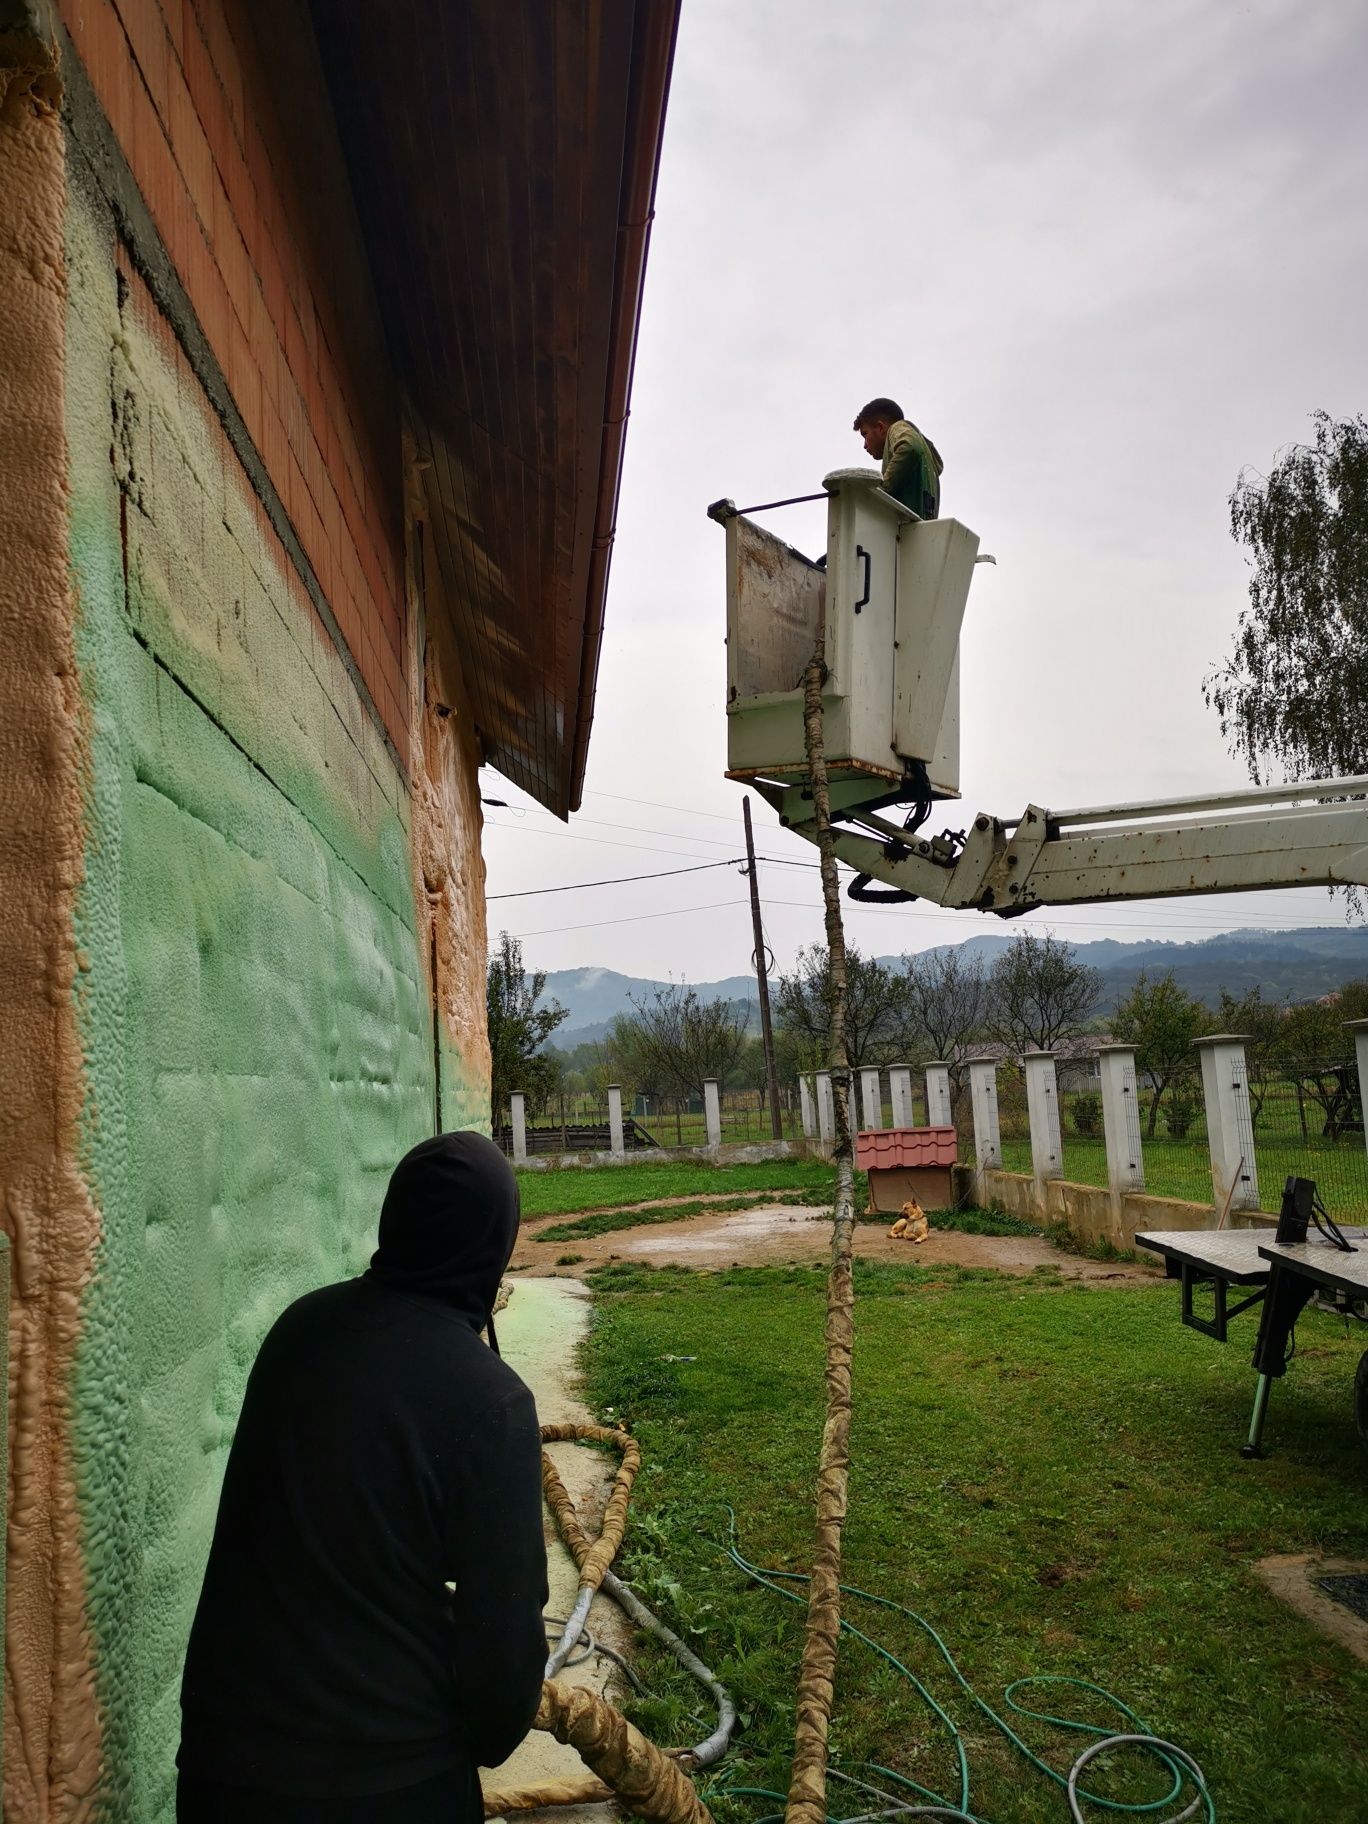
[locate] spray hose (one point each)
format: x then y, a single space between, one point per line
648 1780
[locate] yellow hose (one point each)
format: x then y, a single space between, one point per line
631 1769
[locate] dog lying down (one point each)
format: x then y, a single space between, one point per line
912 1224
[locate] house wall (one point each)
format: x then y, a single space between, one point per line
242 963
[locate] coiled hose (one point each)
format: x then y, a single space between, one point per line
646 1779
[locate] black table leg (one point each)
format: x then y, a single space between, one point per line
1284 1302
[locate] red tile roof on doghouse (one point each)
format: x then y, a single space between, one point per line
905 1148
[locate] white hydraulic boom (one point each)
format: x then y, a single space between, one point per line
888 607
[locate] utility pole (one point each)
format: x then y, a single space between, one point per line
762 980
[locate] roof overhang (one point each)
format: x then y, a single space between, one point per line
503 154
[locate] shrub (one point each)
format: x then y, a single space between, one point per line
1180 1111
1087 1114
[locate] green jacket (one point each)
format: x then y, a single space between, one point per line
912 469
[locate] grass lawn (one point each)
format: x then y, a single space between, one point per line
1048 1472
575 1189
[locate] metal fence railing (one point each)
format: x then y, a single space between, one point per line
579 1123
1309 1122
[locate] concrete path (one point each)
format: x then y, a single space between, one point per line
539 1332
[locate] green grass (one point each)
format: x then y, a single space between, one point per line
574 1189
1048 1472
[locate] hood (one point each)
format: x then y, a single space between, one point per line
448 1223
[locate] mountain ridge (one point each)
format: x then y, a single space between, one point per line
1296 965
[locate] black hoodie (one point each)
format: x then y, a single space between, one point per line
384 1453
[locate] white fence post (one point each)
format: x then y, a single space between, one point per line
1230 1128
1042 1111
871 1098
712 1110
1359 1028
900 1093
938 1111
826 1113
517 1105
806 1105
987 1134
1121 1118
615 1145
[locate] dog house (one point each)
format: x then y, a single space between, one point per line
905 1162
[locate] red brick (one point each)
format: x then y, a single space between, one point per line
202 80
190 148
173 17
273 285
245 380
224 51
242 195
146 32
150 159
231 254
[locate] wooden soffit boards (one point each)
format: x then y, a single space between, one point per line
503 155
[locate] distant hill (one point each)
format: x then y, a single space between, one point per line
1287 965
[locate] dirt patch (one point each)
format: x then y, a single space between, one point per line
1294 1579
784 1234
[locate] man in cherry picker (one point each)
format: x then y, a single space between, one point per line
911 462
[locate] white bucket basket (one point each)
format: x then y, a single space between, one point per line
891 599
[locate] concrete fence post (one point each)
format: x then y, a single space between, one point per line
712 1110
900 1093
826 1113
871 1098
809 1111
615 1143
1230 1127
1121 1118
1359 1028
1042 1111
987 1133
517 1106
938 1110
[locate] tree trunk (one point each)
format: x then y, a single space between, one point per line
817 1673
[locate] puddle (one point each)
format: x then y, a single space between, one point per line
748 1226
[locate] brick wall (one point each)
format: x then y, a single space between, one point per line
224 123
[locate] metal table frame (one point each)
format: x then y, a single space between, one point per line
1281 1277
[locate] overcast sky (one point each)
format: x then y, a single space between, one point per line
1105 256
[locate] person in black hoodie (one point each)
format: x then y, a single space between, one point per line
370 1626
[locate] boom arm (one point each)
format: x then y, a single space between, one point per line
1310 834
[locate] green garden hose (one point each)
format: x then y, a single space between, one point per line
1180 1765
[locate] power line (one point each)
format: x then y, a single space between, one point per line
602 842
635 829
594 924
576 886
654 804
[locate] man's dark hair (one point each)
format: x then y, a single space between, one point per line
887 409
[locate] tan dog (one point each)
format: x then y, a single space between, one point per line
912 1224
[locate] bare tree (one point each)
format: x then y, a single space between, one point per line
672 1041
947 994
1039 993
879 1023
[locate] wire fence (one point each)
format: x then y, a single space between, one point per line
1307 1117
579 1123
